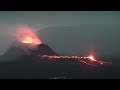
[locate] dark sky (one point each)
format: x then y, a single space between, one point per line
99 29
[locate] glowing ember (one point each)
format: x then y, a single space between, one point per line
91 58
25 34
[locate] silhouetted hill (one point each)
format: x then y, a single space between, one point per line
18 49
43 49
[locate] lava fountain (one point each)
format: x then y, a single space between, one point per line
27 35
91 58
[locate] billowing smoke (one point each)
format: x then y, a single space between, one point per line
27 34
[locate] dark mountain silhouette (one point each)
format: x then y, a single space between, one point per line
18 49
43 49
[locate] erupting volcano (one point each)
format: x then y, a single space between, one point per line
30 57
28 35
28 43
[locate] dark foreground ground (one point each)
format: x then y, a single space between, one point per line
36 68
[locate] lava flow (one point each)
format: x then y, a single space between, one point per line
28 35
86 60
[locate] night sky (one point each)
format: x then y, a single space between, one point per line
98 31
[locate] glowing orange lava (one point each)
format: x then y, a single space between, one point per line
26 34
28 40
81 59
91 58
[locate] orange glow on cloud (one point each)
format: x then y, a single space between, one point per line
26 34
